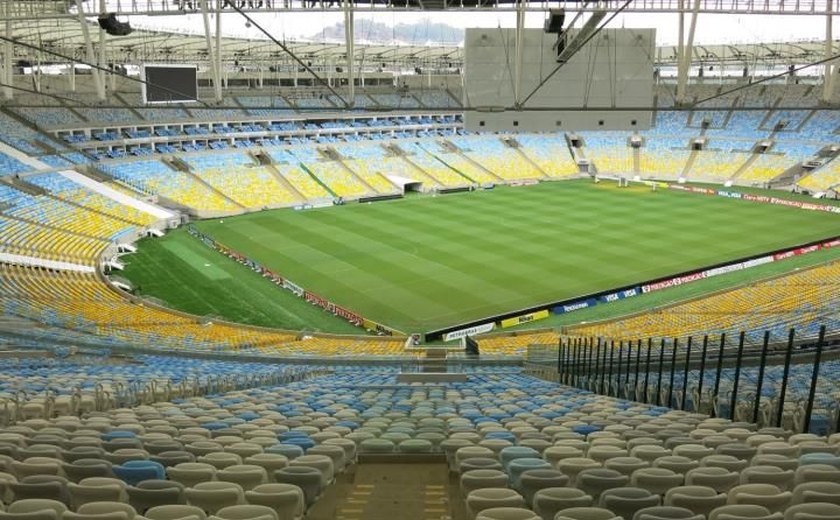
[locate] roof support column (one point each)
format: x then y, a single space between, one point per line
349 40
214 65
519 55
101 55
8 56
680 40
684 65
829 80
98 80
219 50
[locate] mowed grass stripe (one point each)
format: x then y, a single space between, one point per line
428 262
172 269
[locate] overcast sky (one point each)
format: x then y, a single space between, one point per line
710 28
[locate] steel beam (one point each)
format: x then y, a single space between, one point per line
349 42
98 80
214 65
730 7
684 66
8 58
828 76
519 53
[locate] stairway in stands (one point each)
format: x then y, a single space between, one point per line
389 491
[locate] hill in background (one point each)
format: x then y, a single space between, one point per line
402 33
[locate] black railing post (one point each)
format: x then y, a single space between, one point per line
659 379
598 368
673 370
702 374
589 369
785 375
579 361
760 383
560 358
627 368
569 360
647 369
685 373
608 389
716 391
618 369
815 374
638 366
737 377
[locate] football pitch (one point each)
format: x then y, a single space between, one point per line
425 263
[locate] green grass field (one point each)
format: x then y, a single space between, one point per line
428 262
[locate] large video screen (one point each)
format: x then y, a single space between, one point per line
170 83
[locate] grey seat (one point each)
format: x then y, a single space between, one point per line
83 452
175 512
52 487
597 480
547 502
666 513
247 512
34 509
306 478
625 501
151 493
699 499
287 500
86 468
212 496
102 511
743 512
533 480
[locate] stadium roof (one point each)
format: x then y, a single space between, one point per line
64 36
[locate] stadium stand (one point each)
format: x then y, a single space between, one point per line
338 179
25 138
802 299
609 151
827 177
235 175
539 449
768 166
550 153
64 214
108 116
396 100
274 106
439 171
372 173
30 239
76 194
51 117
156 178
89 306
288 166
497 157
436 99
458 162
663 158
716 165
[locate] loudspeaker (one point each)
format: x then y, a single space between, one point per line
554 23
113 26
